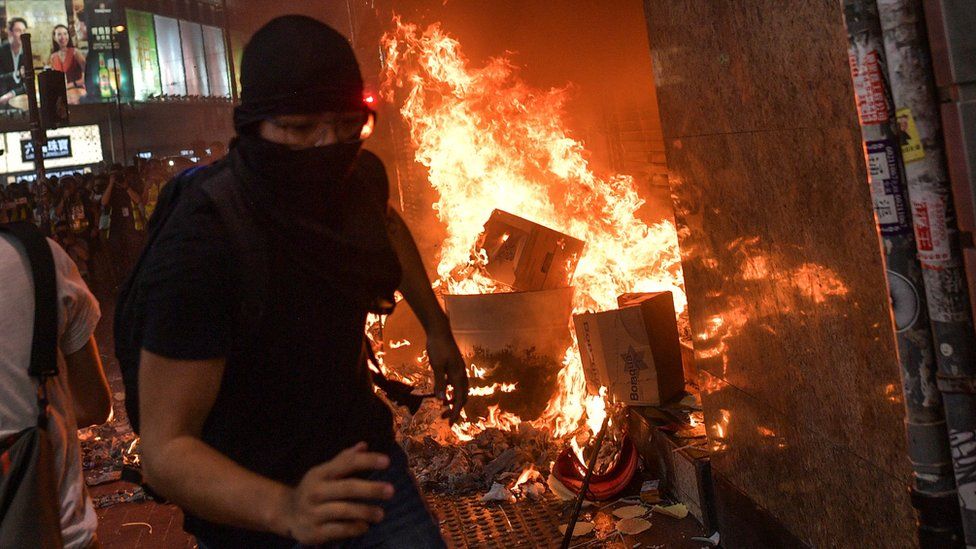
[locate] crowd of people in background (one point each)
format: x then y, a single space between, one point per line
98 218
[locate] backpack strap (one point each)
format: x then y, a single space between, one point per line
250 248
44 342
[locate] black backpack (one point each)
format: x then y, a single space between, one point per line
250 251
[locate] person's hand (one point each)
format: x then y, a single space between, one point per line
449 369
325 506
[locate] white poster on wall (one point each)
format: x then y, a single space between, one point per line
217 72
170 56
194 59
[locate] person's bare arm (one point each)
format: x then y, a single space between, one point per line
107 195
90 393
442 351
176 397
80 83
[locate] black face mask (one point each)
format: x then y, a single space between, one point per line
311 169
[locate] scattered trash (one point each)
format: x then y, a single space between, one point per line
581 529
631 511
498 492
650 492
103 477
135 495
106 449
632 526
677 511
560 489
442 465
711 541
534 490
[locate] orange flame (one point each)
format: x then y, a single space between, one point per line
490 141
528 474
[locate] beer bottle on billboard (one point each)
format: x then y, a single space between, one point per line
104 84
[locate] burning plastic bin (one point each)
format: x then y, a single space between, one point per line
517 342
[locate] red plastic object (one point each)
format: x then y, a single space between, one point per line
570 471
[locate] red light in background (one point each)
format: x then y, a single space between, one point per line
369 99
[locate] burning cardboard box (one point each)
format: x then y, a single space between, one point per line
633 351
527 256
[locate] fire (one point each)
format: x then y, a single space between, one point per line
492 389
497 418
476 371
528 474
488 140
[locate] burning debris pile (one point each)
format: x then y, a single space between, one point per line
492 456
107 449
517 199
506 462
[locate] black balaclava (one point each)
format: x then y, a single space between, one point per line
317 202
297 65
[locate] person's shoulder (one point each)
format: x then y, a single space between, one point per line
193 215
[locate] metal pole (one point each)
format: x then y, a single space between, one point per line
578 505
933 213
118 97
933 487
229 47
38 135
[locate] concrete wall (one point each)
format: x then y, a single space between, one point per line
784 272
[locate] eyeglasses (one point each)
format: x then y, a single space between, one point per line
347 127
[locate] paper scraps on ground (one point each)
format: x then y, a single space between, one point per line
498 492
534 490
631 511
677 511
581 529
632 526
562 492
650 492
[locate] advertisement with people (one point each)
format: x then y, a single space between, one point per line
77 37
109 53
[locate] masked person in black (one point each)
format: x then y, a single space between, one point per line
280 439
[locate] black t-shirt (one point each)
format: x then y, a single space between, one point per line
299 394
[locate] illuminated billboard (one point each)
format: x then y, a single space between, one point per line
109 53
170 55
66 147
218 72
142 48
194 59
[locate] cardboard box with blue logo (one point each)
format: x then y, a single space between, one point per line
633 351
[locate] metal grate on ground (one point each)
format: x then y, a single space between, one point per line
466 522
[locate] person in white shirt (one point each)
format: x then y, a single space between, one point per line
79 394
